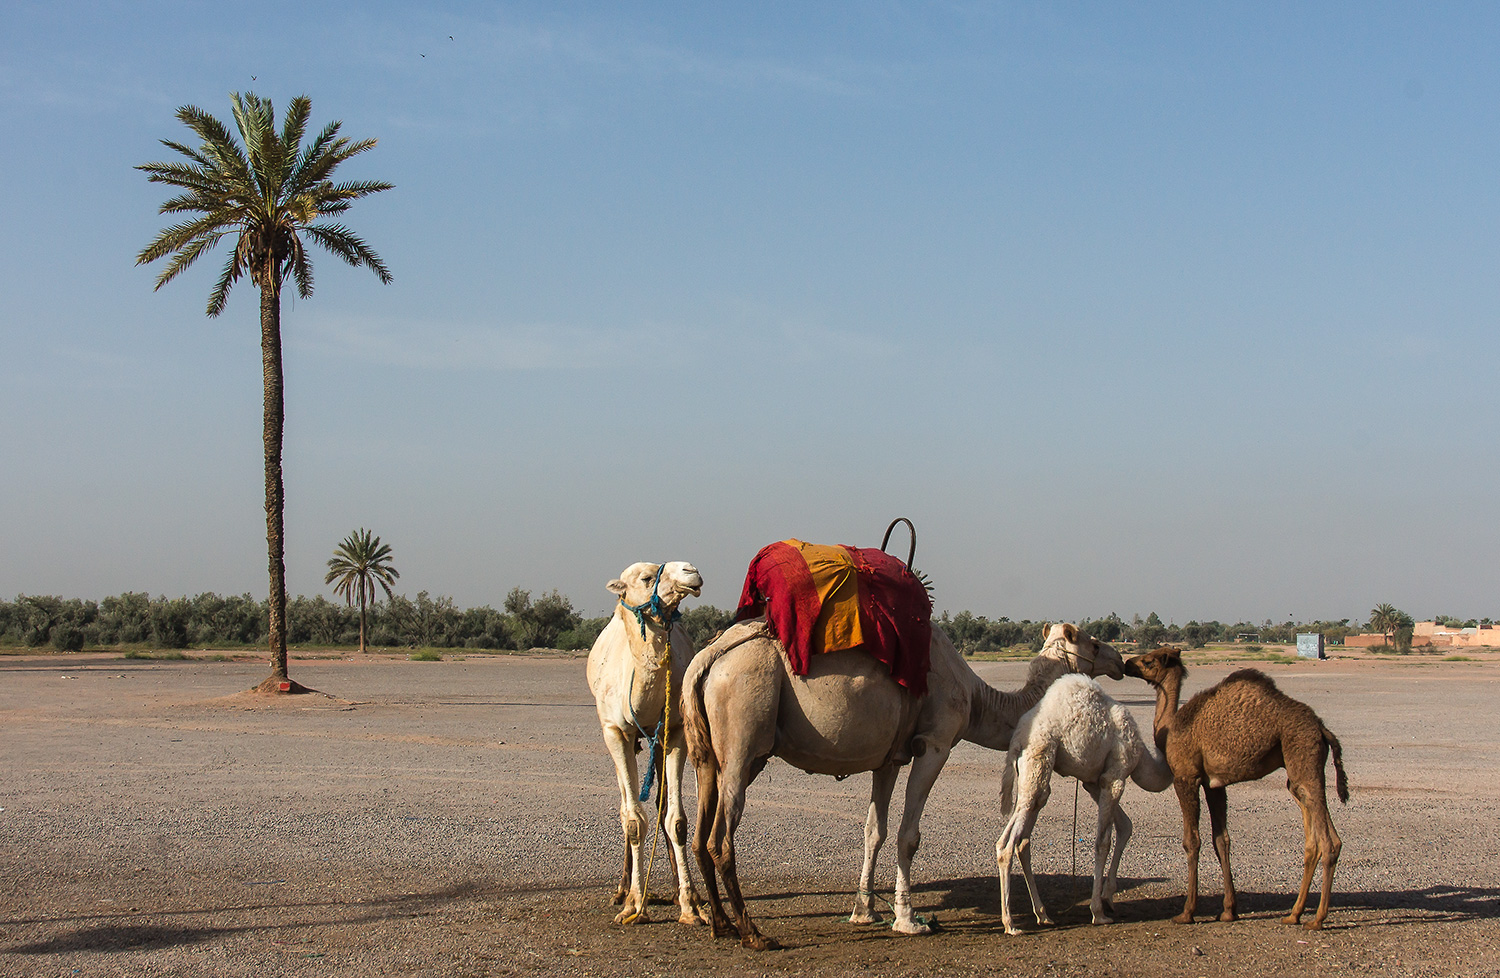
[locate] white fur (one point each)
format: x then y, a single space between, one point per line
628 674
1078 731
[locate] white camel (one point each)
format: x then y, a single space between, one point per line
743 705
630 673
1078 731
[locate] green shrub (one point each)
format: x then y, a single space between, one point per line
67 637
426 655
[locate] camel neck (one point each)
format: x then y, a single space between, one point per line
993 713
1167 696
650 652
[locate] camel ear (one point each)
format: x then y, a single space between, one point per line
1070 633
617 586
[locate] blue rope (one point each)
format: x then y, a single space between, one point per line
652 740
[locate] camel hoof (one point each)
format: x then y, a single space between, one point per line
723 928
1101 919
1314 925
632 917
1014 931
689 918
864 917
1228 917
705 916
1045 921
1292 918
760 942
1183 918
912 928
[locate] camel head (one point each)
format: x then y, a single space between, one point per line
1156 665
1086 654
670 583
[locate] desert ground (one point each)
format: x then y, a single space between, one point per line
459 818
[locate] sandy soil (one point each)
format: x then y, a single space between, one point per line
458 818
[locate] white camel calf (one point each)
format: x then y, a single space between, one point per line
635 672
1078 731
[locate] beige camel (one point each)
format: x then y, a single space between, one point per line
629 672
743 705
1078 731
1241 730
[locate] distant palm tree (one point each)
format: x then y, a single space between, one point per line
357 565
267 190
1385 619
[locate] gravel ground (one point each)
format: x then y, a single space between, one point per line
458 818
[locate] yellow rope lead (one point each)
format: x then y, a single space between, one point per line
661 794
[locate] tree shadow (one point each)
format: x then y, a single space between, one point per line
121 931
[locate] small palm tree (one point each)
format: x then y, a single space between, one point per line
357 565
268 192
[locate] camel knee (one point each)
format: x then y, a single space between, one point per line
679 831
633 833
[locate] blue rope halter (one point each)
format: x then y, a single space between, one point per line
653 606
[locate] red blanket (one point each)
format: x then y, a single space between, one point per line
825 599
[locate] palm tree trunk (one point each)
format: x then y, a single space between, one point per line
274 416
362 615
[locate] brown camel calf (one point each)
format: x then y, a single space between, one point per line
1241 730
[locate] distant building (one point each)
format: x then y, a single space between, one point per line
1431 634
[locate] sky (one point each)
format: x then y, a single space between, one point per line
1185 308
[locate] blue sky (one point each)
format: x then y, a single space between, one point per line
1177 308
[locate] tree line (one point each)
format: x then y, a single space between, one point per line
546 621
230 621
974 633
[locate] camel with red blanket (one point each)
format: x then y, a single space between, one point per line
744 702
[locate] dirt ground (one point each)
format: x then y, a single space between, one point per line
459 818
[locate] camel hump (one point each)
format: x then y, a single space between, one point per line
1251 676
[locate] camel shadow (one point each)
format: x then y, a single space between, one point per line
121 931
1066 897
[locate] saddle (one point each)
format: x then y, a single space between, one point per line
819 598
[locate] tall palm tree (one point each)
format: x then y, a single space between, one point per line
357 565
269 192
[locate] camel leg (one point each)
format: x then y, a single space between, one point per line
925 768
1107 797
734 779
675 828
1187 799
708 816
882 785
1218 816
624 885
1124 828
633 823
1015 843
1320 842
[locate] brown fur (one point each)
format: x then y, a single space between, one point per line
1241 730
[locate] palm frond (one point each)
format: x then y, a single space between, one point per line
348 246
186 256
220 295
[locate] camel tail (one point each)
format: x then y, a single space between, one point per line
1008 784
1340 781
694 716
